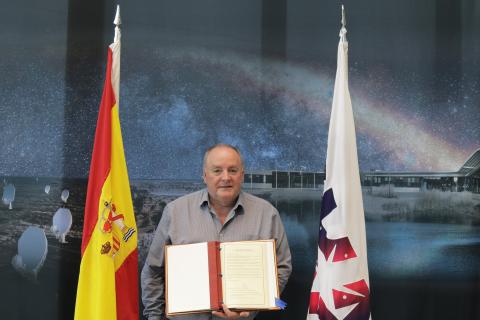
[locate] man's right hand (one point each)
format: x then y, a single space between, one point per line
229 314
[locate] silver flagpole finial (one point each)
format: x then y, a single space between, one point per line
117 22
343 30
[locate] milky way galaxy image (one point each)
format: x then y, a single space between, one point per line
253 74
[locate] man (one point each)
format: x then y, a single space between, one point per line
222 212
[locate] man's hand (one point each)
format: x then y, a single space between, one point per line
228 314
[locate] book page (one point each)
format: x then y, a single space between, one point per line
271 265
187 278
248 274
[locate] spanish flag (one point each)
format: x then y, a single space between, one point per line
108 280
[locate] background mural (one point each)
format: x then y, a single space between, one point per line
259 75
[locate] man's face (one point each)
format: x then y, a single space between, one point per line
223 175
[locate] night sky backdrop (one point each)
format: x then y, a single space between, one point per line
256 74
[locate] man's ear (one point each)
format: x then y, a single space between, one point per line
204 176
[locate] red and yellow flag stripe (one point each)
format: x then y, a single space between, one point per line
108 280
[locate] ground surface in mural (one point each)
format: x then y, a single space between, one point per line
430 268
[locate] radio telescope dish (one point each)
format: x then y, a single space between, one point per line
65 194
61 224
32 252
8 195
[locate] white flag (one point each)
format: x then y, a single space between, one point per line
340 288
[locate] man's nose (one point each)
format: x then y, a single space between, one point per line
225 175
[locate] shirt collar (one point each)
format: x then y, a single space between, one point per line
204 199
238 207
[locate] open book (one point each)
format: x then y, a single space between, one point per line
200 277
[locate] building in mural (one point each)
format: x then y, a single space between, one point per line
467 178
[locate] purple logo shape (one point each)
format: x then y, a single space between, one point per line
342 246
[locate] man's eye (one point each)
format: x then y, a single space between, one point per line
217 171
233 170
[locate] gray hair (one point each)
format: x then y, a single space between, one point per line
222 145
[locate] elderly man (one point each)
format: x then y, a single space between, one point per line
222 212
